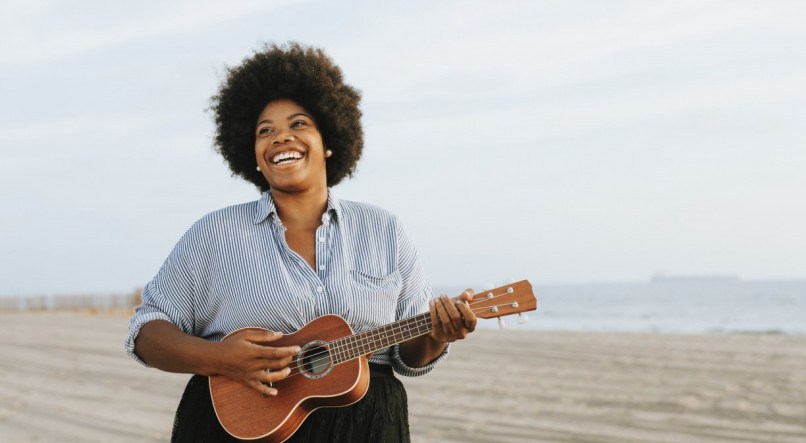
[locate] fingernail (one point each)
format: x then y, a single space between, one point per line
278 333
296 349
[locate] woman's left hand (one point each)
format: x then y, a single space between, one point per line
452 318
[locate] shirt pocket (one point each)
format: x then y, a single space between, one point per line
373 299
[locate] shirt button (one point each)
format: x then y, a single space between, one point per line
321 266
322 239
319 289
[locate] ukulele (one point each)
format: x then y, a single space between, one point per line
332 367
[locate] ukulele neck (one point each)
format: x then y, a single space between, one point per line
354 346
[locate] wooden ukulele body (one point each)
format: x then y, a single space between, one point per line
247 415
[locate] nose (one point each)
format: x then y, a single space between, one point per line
283 137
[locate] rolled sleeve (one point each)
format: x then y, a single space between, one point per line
403 369
169 296
140 318
150 310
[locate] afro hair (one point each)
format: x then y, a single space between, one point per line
295 72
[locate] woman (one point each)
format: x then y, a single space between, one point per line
287 122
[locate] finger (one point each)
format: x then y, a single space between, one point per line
436 326
263 389
459 329
267 376
259 337
446 324
277 353
275 364
467 295
469 316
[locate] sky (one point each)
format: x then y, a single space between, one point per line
555 141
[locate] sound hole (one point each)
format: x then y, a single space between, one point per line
316 361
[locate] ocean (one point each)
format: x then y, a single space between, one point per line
685 305
693 305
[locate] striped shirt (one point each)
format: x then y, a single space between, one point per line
233 269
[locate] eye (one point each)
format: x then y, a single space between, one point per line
296 124
264 130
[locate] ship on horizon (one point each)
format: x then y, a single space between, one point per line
663 278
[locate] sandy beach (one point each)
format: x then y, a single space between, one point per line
65 377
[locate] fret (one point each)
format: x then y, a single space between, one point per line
396 332
385 339
364 344
343 350
356 347
405 330
371 340
335 351
348 350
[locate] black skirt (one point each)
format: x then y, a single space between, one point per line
380 416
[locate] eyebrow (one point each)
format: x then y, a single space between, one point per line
290 117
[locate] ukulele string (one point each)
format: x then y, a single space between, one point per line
322 356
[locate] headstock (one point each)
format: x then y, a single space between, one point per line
514 298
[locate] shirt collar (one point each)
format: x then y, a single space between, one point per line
267 209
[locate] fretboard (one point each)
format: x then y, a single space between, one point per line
354 346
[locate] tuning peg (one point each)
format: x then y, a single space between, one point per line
501 323
522 318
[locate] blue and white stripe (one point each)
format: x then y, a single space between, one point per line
233 269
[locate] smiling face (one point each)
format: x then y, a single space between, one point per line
289 148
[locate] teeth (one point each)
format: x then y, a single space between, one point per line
285 156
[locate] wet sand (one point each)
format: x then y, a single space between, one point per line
65 377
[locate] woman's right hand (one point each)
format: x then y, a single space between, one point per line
248 357
243 356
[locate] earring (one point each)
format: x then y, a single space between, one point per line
258 168
328 153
